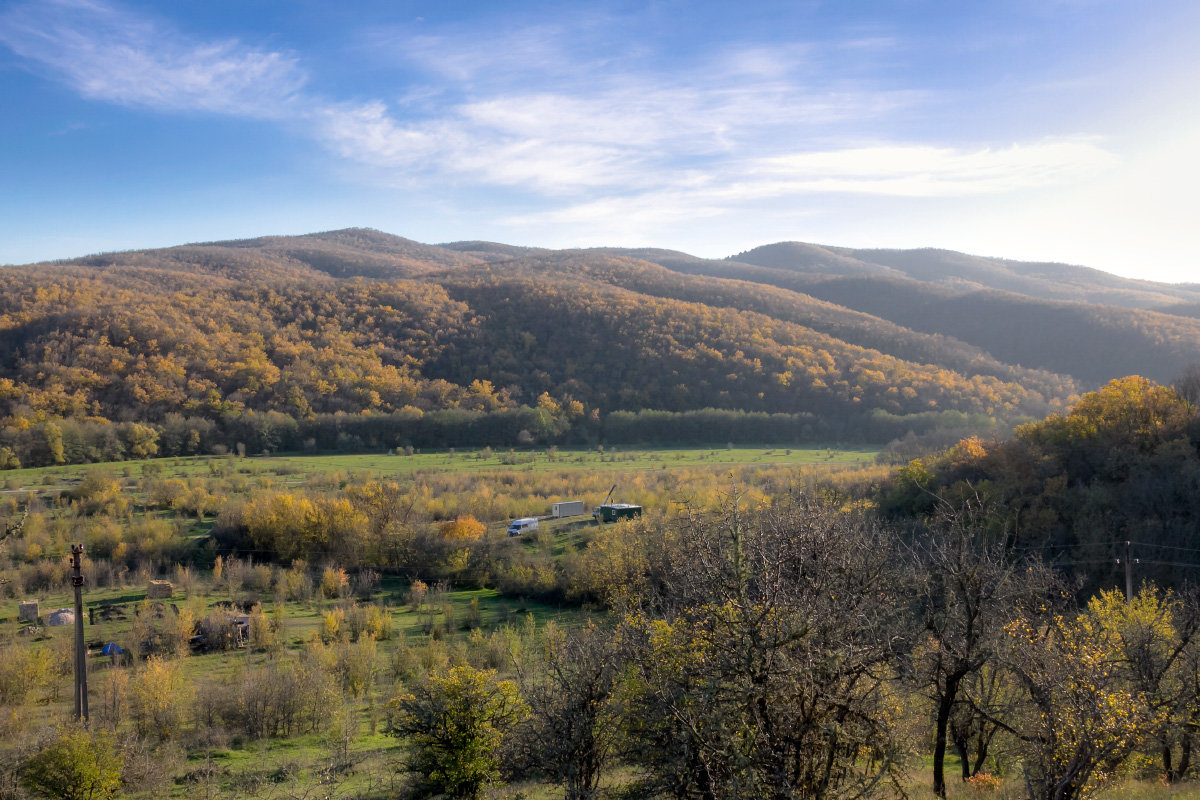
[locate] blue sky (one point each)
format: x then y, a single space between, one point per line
1037 129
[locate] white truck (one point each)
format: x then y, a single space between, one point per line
522 525
567 508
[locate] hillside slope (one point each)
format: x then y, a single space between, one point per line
1090 341
346 321
359 322
1039 280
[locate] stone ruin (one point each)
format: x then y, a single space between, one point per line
27 611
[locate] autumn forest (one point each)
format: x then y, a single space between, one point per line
916 524
356 339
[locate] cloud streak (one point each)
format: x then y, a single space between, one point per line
787 181
111 55
753 124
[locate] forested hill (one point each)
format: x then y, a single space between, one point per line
1039 280
358 338
1122 465
1063 319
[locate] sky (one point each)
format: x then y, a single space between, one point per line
1049 130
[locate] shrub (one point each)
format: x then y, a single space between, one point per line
456 721
76 765
158 697
334 582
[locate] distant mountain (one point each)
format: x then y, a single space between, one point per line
1067 320
359 321
350 253
1043 281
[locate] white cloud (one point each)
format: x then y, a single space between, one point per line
111 55
926 171
456 149
636 134
796 179
529 50
631 148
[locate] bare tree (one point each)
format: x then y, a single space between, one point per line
968 589
765 657
1187 385
570 686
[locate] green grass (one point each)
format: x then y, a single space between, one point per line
300 467
303 620
543 460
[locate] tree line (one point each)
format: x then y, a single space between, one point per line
91 441
1122 465
133 344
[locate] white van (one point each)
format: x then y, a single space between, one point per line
519 526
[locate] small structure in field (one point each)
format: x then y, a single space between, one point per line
159 590
613 512
221 629
27 611
568 508
63 616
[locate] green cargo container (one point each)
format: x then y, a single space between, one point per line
616 511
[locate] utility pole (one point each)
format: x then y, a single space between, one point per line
1128 573
81 697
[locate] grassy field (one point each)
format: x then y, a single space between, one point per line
481 626
470 461
477 625
492 487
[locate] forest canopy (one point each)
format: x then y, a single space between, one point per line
360 340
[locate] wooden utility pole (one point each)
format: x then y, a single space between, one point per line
1128 573
81 696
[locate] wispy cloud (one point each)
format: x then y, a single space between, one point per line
605 128
109 54
634 131
925 171
911 171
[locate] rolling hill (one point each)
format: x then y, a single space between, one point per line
358 322
1062 319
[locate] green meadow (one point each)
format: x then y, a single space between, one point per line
479 460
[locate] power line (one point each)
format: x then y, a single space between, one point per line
1046 546
1168 547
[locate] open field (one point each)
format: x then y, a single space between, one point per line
492 487
476 626
486 614
164 509
394 464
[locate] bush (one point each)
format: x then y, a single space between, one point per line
158 698
281 698
76 765
334 582
456 722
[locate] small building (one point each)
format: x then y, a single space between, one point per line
567 508
612 512
27 611
222 629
